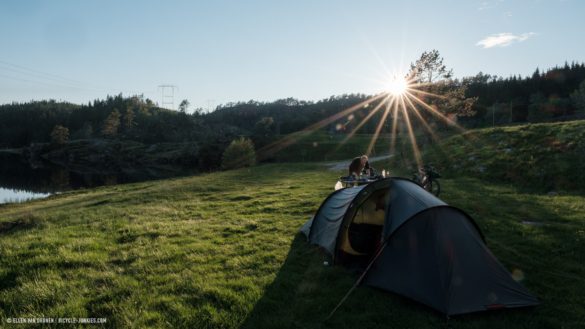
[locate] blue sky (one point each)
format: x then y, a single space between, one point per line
223 51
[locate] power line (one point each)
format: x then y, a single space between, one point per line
30 81
27 74
34 78
15 67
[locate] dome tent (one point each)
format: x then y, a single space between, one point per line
422 249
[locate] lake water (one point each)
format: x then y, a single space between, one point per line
19 181
11 195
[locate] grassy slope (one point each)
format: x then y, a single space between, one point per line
546 157
321 146
222 251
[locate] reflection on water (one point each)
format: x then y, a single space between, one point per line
9 195
19 181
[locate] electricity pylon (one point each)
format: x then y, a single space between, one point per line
167 98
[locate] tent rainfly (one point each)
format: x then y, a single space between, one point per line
414 245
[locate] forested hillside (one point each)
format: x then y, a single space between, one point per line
544 96
556 94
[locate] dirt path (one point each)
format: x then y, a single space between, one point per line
340 165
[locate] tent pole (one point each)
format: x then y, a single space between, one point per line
359 280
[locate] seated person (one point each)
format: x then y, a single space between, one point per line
359 166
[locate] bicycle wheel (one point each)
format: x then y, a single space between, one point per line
427 185
435 187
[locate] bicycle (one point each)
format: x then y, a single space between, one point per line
426 177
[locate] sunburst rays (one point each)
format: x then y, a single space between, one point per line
404 100
292 138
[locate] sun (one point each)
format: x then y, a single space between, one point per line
397 85
402 98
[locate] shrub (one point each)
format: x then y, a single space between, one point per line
240 153
59 135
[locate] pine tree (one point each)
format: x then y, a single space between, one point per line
578 98
184 106
128 119
111 124
429 68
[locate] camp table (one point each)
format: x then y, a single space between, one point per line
351 181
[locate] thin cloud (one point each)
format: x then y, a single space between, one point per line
489 4
484 5
503 39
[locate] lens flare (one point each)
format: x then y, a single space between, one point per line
402 96
397 86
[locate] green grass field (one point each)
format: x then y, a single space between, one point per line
223 250
320 146
544 157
